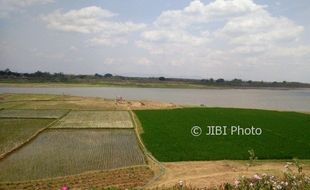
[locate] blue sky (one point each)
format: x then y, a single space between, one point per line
252 40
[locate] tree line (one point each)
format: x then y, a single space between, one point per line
9 76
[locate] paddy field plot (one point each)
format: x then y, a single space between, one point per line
60 152
167 134
72 103
96 119
18 113
26 97
124 178
10 104
14 132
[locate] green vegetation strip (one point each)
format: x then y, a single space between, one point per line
167 134
96 119
62 152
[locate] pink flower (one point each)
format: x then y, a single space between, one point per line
257 177
64 188
237 182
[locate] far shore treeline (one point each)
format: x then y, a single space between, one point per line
8 76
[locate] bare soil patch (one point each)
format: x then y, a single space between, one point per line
214 173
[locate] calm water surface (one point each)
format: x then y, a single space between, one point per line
295 100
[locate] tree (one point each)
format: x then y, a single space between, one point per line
98 75
161 78
237 81
108 75
220 80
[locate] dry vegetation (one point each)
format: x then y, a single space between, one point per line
202 174
25 97
4 105
125 178
37 101
96 119
15 113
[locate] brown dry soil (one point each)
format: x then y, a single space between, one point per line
206 174
36 101
125 178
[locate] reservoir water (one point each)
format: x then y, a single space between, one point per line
293 99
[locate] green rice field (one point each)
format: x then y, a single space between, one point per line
14 132
167 134
61 152
96 119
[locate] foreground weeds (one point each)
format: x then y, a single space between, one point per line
292 179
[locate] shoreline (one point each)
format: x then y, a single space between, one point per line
163 86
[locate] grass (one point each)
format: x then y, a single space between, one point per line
14 132
167 134
67 152
96 119
16 113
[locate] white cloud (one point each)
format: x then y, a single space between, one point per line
93 20
260 28
73 48
291 52
174 36
144 61
9 6
108 41
190 25
197 12
128 61
223 37
85 20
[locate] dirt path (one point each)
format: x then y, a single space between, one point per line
214 173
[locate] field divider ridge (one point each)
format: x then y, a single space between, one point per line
148 155
15 106
90 128
31 138
28 117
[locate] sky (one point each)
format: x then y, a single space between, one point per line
248 39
